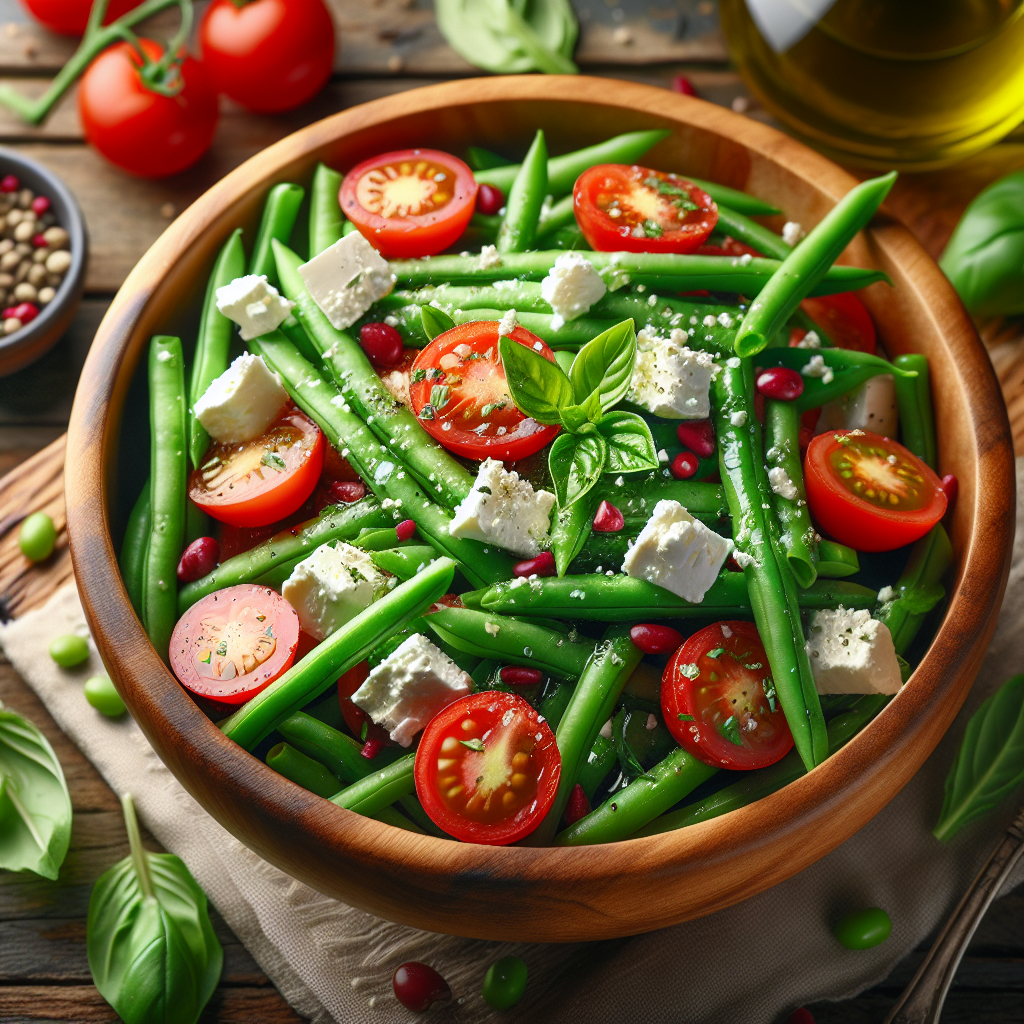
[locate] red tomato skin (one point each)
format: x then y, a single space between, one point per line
268 55
355 717
143 132
70 17
845 319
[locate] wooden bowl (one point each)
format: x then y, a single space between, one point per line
551 895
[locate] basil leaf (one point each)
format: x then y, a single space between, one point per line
35 806
152 950
630 444
574 417
576 462
605 366
435 321
990 762
539 388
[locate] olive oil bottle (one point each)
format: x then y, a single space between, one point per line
892 83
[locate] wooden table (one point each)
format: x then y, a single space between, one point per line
384 46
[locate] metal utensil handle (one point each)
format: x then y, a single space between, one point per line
921 1002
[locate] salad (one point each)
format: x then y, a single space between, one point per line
558 502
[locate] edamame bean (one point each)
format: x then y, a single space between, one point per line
69 650
864 929
100 693
505 982
37 537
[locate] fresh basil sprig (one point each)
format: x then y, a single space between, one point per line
595 439
435 321
35 806
990 762
152 950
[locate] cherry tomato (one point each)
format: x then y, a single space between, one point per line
235 642
727 246
141 131
264 480
460 395
869 492
639 210
70 17
418 986
718 699
413 202
357 720
487 768
268 55
844 318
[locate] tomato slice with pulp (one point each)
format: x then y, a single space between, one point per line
487 768
869 492
718 699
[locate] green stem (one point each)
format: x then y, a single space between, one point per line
139 858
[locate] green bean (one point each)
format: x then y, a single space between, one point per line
392 816
799 538
748 231
167 489
372 794
552 708
302 770
296 334
570 531
481 159
914 400
600 761
338 753
377 540
134 548
809 263
279 214
344 648
486 224
562 171
213 341
325 216
733 199
525 199
836 560
404 562
561 214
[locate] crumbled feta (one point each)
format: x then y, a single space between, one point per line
410 686
743 559
331 586
242 402
489 258
725 320
670 379
507 324
347 278
397 384
738 418
256 306
572 286
677 552
792 232
782 485
851 652
817 368
504 510
887 594
810 340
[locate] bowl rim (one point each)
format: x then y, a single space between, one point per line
406 877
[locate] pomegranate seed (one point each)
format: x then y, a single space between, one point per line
347 491
371 748
38 241
419 986
26 312
734 566
8 312
780 383
682 85
40 204
520 675
652 639
406 530
608 519
578 805
382 344
9 183
950 487
200 558
698 436
542 565
489 199
684 465
800 1016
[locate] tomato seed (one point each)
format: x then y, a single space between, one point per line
608 518
519 675
406 529
489 200
418 986
382 344
578 805
950 487
652 639
347 491
684 465
698 436
542 565
199 558
780 383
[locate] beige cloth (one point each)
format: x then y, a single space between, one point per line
746 965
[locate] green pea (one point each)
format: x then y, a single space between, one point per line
37 537
69 650
100 693
864 928
505 982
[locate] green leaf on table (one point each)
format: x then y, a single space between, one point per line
576 462
538 387
990 762
152 950
435 321
630 444
605 366
35 806
575 417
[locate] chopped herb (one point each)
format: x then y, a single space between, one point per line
274 461
768 685
417 375
474 744
433 373
205 657
730 729
679 196
427 412
484 489
716 653
652 229
222 649
439 395
364 730
492 407
686 718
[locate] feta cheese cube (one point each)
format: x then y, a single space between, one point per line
242 402
677 552
331 586
256 306
851 652
502 509
670 379
347 278
571 287
410 686
872 407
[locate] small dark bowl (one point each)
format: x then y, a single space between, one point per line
38 337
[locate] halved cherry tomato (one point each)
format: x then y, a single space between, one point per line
718 699
460 395
355 717
234 643
487 768
264 480
844 318
413 202
869 492
636 209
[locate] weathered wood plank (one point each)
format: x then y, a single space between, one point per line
962 1007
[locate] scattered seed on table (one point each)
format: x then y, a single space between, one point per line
69 650
37 537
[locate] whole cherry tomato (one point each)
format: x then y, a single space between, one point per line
69 17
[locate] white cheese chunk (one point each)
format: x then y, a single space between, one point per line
571 287
242 402
410 686
872 407
781 483
670 379
502 509
677 552
851 652
792 232
331 586
347 278
256 306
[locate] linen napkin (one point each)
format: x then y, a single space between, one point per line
334 963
